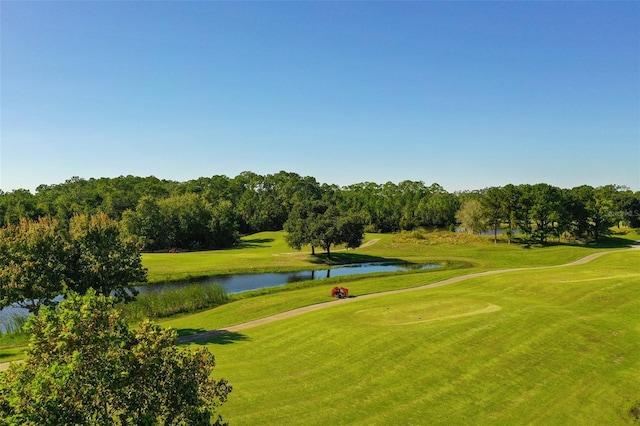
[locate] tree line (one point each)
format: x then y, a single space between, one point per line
543 211
211 212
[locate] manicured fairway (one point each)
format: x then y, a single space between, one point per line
556 346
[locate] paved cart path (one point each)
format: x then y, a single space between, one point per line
311 308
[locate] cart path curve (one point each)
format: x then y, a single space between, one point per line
311 308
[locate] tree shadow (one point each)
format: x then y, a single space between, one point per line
216 337
613 242
189 331
253 243
606 242
345 257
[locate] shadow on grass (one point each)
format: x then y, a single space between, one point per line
3 356
253 243
613 242
189 331
345 257
604 243
216 337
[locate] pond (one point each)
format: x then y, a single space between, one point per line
238 283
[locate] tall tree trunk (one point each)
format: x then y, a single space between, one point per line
313 250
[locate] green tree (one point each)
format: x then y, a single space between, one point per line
188 219
84 366
101 259
17 205
628 203
321 224
545 210
603 211
223 225
493 208
510 199
593 211
439 209
333 228
40 259
147 225
34 260
300 223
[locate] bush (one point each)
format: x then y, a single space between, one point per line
163 304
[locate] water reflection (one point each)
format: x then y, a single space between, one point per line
239 283
245 282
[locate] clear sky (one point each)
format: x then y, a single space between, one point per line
467 95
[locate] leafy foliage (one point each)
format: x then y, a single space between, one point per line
85 366
40 259
471 216
207 213
320 223
34 256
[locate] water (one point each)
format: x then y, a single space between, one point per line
239 283
245 282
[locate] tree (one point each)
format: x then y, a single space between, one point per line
17 205
300 223
593 211
493 207
439 209
321 224
34 258
84 366
102 260
510 199
334 228
471 217
146 225
628 203
578 200
546 202
40 259
603 212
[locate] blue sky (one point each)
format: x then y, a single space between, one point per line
467 95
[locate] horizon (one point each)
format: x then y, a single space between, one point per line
466 95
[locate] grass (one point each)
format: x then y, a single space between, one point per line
298 295
263 252
157 305
13 353
268 252
558 346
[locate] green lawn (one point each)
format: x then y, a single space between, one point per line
263 252
557 346
267 251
